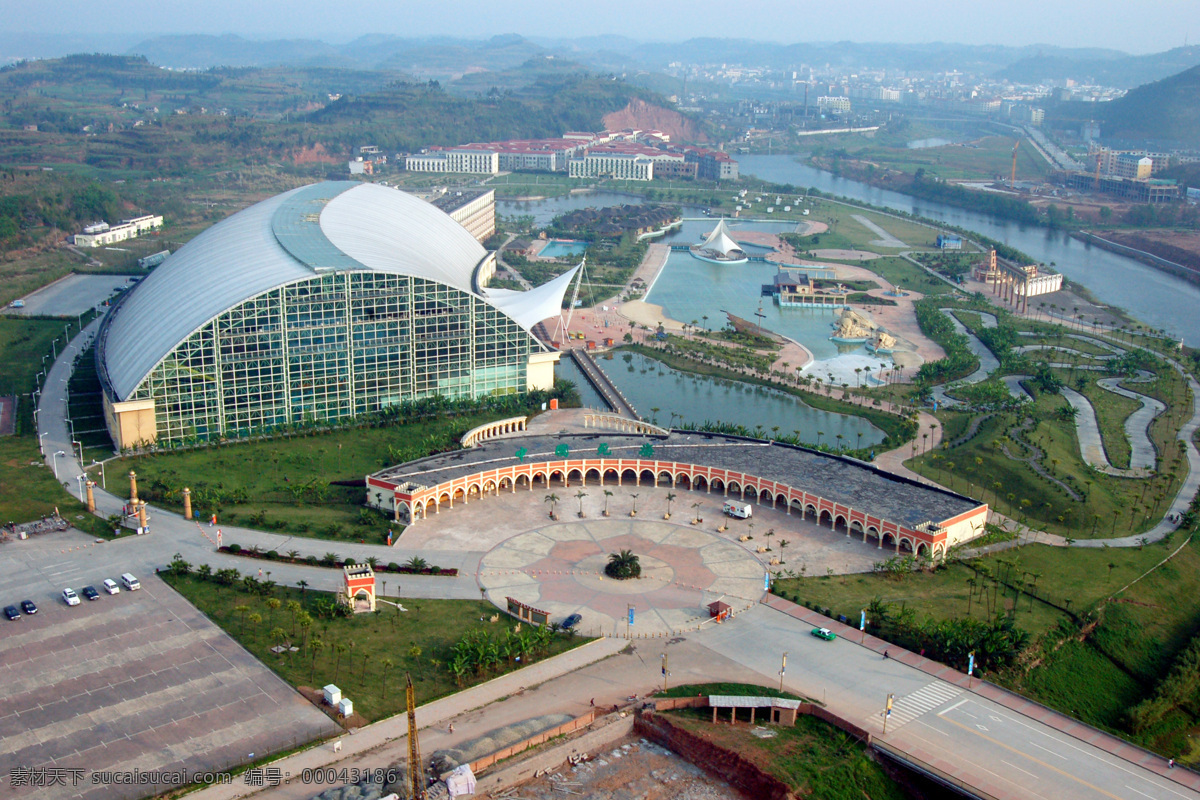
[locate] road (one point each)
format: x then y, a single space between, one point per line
1008 753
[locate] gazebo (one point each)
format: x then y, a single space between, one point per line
359 587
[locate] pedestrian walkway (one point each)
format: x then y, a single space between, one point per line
922 701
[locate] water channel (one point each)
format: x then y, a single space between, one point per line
1154 297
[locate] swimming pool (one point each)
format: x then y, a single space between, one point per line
560 248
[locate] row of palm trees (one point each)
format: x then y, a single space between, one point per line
554 500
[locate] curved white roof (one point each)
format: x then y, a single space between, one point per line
333 226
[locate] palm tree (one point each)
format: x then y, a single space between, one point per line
579 496
654 410
386 664
607 494
769 534
340 648
635 499
696 513
273 603
314 647
783 543
623 565
670 496
303 584
294 607
242 611
552 499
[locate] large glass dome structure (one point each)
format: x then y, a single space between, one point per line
329 301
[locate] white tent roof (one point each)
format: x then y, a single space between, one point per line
530 308
719 241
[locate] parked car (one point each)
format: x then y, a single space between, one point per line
824 633
28 607
11 612
90 593
110 586
69 597
570 622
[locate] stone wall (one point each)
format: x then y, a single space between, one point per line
717 761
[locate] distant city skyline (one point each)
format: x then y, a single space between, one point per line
1150 26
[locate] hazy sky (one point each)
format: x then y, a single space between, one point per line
1136 26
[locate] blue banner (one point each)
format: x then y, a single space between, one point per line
631 615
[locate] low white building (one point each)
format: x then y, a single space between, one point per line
101 233
623 166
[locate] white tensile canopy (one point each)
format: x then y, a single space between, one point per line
719 241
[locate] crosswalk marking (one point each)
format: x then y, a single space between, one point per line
924 700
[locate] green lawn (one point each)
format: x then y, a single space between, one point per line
306 485
418 642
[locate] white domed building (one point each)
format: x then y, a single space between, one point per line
327 302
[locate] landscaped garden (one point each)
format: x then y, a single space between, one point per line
445 645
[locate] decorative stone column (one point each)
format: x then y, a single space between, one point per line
91 498
187 503
142 514
133 498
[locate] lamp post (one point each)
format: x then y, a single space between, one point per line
41 436
56 455
782 670
79 480
80 446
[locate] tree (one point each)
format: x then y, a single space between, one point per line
635 499
385 665
314 647
623 565
241 611
340 648
783 543
302 584
552 499
607 494
670 496
273 603
769 534
294 608
579 496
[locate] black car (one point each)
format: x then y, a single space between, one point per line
28 607
11 612
90 593
570 622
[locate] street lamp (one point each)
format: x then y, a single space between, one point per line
103 483
56 455
42 449
80 445
79 480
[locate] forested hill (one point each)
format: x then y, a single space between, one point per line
1164 113
408 116
1120 70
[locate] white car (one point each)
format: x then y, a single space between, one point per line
69 597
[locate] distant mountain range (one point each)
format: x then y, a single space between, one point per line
448 59
1116 69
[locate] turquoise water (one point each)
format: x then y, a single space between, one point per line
559 248
648 384
689 289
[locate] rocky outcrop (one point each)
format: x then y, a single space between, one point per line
640 114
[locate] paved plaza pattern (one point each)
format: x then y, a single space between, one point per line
560 569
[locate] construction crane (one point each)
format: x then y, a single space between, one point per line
416 773
1012 181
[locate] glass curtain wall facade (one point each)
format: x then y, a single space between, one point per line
330 347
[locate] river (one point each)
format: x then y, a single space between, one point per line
1153 297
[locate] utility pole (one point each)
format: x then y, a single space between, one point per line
887 711
782 670
665 672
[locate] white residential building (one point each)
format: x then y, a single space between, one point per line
623 166
101 234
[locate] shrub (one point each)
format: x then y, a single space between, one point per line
312 560
393 566
349 562
235 548
273 555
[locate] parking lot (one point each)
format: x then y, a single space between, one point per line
70 296
133 681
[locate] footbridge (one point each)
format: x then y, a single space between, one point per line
602 384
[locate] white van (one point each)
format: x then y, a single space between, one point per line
110 586
736 509
131 583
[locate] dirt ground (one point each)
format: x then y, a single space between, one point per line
1182 247
631 770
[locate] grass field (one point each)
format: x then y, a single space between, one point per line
812 757
977 158
308 485
418 641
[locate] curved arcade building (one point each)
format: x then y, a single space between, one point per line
326 302
848 496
